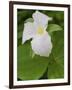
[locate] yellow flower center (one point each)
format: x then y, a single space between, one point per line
40 30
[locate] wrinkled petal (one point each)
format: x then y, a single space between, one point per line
28 32
41 19
42 45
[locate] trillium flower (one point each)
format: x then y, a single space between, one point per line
41 40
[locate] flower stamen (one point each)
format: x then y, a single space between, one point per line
40 30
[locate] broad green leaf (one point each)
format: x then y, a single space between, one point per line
29 20
58 44
54 27
56 66
55 69
30 68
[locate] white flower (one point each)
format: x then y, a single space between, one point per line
41 41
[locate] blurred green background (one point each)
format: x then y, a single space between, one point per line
35 68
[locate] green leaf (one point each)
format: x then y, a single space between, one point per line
22 15
20 27
60 15
29 20
30 68
58 44
54 27
56 65
19 35
55 69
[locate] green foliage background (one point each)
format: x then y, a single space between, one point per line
35 68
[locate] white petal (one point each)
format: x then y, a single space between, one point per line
28 32
41 19
42 45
